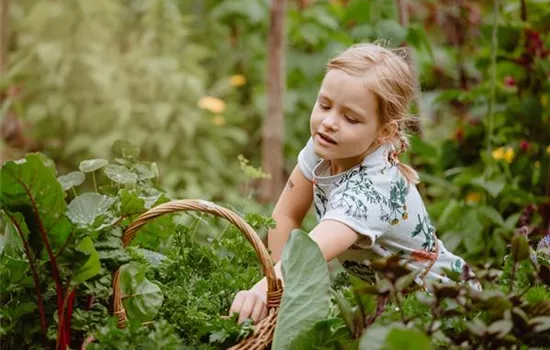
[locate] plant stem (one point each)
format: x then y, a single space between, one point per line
492 93
74 192
398 303
513 277
95 182
61 341
34 271
53 262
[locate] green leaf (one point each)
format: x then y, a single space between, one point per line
91 165
120 174
520 248
345 310
141 298
30 187
492 214
407 339
394 337
418 38
492 187
389 29
92 265
125 149
325 335
306 298
84 209
75 178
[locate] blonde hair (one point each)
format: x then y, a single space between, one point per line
392 79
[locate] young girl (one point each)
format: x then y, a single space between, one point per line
365 199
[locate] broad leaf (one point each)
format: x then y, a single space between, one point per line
30 187
75 178
92 265
84 209
91 165
141 298
306 298
125 149
394 337
325 334
120 174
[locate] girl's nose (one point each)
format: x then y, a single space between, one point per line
330 122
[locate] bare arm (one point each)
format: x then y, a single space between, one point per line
289 212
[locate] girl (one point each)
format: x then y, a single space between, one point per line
365 200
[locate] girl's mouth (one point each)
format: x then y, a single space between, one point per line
326 138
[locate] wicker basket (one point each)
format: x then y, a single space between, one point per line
264 330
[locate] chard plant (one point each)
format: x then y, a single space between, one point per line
61 244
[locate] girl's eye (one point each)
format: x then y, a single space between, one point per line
324 107
351 120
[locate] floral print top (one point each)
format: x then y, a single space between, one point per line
377 202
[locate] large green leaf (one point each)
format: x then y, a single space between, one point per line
84 209
141 298
306 298
394 337
30 187
91 266
120 174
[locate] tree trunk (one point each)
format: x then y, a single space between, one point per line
4 35
273 128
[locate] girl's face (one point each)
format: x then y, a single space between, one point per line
344 121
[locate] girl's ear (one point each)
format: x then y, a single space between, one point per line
388 131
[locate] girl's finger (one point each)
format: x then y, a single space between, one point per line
247 307
257 311
264 312
237 303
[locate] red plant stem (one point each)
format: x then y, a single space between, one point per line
55 270
89 302
69 316
35 278
61 341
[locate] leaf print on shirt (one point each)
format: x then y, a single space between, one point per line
398 198
456 266
322 199
425 227
352 193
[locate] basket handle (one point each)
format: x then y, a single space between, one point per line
274 285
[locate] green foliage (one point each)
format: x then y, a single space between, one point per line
187 278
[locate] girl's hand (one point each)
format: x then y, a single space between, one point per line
249 304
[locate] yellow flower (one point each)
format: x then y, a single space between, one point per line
473 197
537 164
212 104
237 80
498 153
544 100
548 149
502 153
509 155
218 120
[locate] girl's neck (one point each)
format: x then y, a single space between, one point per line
338 166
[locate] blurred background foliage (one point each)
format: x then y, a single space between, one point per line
185 80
